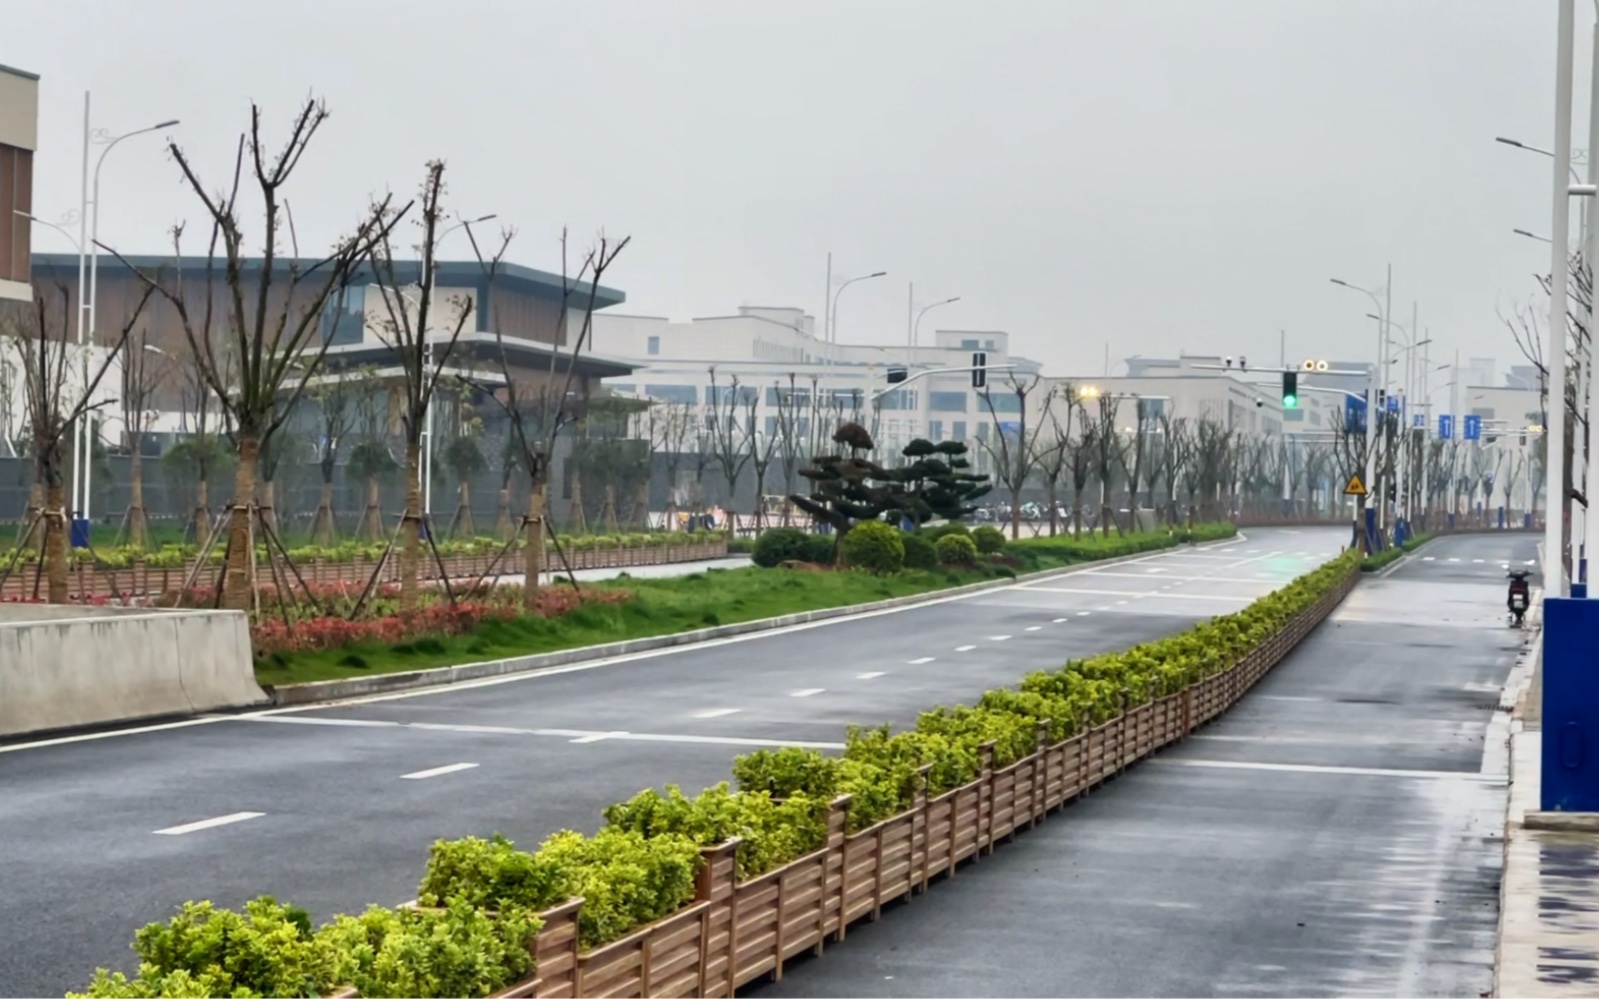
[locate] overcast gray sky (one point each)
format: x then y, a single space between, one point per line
1155 174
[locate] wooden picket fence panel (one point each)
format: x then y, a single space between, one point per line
735 932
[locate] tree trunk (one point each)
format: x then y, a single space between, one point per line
579 522
372 519
465 526
1054 517
55 543
533 547
238 584
411 541
502 524
266 493
202 512
1015 513
324 515
610 508
35 511
136 517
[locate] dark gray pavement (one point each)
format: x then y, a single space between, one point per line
314 806
1334 834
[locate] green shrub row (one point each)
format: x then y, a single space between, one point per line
641 865
271 950
1389 555
175 556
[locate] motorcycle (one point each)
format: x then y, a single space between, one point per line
1520 597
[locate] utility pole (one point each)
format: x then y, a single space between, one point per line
1560 238
1590 253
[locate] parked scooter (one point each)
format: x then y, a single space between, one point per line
1520 598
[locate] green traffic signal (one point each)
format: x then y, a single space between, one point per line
1290 390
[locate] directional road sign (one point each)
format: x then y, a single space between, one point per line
1446 426
1472 430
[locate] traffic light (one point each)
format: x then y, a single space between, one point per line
979 370
1290 390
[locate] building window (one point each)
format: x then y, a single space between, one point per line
653 345
969 345
959 431
947 402
988 345
935 430
782 395
899 399
1008 402
982 431
771 426
673 393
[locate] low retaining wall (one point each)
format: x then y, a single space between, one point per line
735 932
86 579
68 667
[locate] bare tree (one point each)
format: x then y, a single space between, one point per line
730 436
423 333
762 447
668 425
271 319
55 402
145 368
1014 455
1214 458
1108 456
538 416
1054 447
1177 458
338 395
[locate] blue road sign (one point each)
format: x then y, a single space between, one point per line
1393 404
1418 420
1472 430
1446 426
1355 414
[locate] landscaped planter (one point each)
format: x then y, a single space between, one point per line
734 932
141 579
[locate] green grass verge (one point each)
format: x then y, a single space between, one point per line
1372 563
670 605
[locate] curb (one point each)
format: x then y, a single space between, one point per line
1406 557
319 691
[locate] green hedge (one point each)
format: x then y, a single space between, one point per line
1389 555
641 865
1066 549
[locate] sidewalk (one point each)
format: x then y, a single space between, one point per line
1549 897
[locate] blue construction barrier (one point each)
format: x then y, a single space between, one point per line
1570 777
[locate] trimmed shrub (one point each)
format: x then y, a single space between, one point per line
956 549
874 546
990 540
821 549
779 545
953 527
919 552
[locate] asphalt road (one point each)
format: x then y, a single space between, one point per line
332 808
1338 833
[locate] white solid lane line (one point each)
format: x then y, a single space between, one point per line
921 661
596 737
808 692
717 712
438 771
964 648
220 820
869 676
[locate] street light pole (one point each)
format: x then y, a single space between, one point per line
833 309
1378 378
1560 217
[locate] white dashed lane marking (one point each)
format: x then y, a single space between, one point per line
919 662
220 820
717 713
964 648
808 692
438 771
869 676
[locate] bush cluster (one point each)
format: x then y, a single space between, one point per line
481 896
989 540
1390 555
956 550
874 546
790 544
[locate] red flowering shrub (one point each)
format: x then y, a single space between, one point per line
305 630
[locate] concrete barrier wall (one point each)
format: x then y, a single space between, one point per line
68 667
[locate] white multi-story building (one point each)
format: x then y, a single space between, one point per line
773 350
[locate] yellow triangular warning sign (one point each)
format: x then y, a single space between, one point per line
1355 486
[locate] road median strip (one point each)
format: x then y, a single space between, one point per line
323 691
679 896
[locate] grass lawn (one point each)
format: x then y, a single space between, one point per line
669 605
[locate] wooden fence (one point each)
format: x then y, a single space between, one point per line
139 579
735 932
